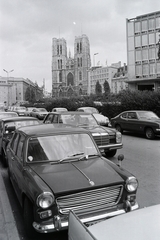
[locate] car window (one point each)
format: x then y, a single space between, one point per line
49 118
132 115
124 115
55 119
56 147
20 147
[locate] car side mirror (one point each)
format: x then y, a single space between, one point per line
120 159
10 129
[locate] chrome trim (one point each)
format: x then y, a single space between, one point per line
111 146
64 225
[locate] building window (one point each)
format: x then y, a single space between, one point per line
139 70
80 76
144 25
151 24
158 68
59 63
152 69
145 70
144 40
137 27
158 22
145 54
152 54
60 77
151 38
138 56
137 41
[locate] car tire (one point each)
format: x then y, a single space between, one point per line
28 217
118 128
110 153
149 133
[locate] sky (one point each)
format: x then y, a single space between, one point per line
28 26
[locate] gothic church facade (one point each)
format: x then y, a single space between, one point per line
70 75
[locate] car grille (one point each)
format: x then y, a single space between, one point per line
103 139
90 201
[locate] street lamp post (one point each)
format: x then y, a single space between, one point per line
8 82
94 59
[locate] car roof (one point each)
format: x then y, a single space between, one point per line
70 112
12 119
49 129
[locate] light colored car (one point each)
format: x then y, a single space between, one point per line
142 224
28 111
19 110
59 109
101 119
8 114
39 113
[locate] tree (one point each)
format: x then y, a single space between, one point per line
106 88
98 88
30 95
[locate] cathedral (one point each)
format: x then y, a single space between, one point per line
70 75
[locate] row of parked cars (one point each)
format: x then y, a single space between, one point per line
58 166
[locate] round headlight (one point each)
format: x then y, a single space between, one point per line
131 184
45 200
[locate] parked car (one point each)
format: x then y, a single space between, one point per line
88 109
143 122
39 113
58 168
28 111
136 225
7 127
8 114
101 119
19 110
59 109
107 139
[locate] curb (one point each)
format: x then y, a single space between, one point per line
8 228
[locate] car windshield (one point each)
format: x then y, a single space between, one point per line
57 147
20 108
79 120
18 124
42 110
147 115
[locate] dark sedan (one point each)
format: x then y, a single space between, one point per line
107 139
55 169
145 122
7 127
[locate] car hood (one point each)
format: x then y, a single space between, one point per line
65 177
99 129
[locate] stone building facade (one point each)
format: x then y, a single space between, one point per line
70 75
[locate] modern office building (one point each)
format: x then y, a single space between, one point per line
143 51
70 75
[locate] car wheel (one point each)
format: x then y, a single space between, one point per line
118 128
28 217
110 153
149 133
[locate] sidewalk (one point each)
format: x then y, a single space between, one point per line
8 229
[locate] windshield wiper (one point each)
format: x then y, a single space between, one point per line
85 157
71 156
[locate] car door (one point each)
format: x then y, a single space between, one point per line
133 122
1 135
16 165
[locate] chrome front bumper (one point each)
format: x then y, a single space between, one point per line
59 225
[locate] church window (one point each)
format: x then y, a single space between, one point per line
80 76
60 77
60 49
78 62
81 62
57 49
77 47
80 47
